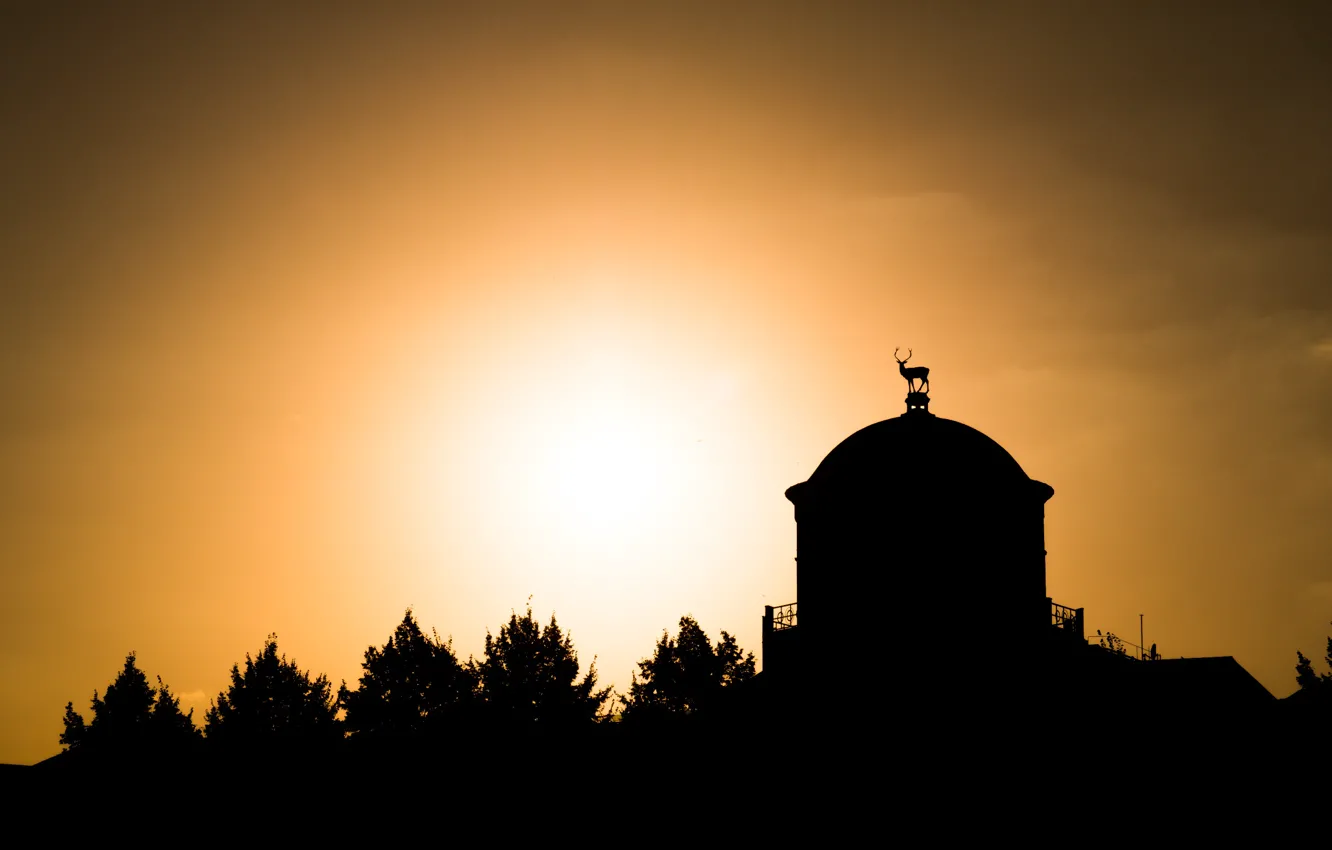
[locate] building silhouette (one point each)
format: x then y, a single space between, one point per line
920 564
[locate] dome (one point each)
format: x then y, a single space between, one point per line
916 448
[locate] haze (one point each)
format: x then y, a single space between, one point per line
312 314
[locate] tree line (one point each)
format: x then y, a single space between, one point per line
1315 688
415 686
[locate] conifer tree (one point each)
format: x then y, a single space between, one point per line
530 676
273 699
686 674
131 712
413 685
1313 682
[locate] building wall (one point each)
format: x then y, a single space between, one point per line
895 585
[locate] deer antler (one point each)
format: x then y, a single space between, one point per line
913 373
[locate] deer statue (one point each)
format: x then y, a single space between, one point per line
913 374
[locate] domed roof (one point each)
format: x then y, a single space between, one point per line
918 447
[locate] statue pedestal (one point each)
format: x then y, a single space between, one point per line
918 403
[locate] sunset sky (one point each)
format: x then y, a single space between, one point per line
311 313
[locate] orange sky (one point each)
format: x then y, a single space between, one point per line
309 316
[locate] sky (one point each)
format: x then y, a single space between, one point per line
312 313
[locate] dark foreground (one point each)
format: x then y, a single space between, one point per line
846 781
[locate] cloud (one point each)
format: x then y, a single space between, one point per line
192 699
1322 349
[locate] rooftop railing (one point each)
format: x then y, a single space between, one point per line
1067 619
1116 645
782 617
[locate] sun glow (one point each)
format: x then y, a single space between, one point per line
602 475
601 471
568 439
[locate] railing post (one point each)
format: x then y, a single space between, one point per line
1081 628
766 659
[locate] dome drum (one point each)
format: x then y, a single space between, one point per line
927 520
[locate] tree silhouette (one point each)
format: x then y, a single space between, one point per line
1314 684
168 723
273 700
132 712
530 675
76 731
686 674
413 685
1112 642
